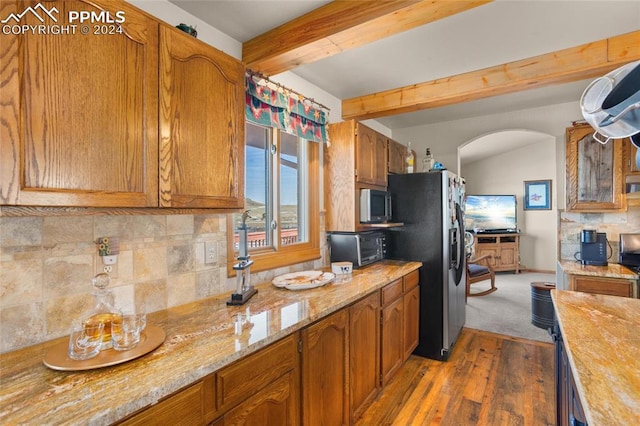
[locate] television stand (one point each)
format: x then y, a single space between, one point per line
504 249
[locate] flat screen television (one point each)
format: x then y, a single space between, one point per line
490 213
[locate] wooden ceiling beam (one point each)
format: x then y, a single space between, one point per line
576 63
339 26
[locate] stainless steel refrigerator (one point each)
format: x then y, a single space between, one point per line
431 207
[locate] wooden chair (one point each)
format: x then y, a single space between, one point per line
480 269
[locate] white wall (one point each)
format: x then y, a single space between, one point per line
173 15
505 174
444 138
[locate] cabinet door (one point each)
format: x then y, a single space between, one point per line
411 321
507 258
202 124
594 172
371 156
325 366
392 333
273 405
80 122
631 152
364 353
396 153
488 249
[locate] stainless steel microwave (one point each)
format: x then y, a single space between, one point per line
375 206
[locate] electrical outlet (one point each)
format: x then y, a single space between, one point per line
210 252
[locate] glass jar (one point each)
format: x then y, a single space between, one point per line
428 161
410 159
104 310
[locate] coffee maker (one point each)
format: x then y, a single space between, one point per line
593 247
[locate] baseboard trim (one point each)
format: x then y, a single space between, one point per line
539 271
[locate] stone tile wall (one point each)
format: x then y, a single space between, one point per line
46 266
613 224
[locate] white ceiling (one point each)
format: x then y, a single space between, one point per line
488 35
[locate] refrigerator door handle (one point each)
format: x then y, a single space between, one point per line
454 252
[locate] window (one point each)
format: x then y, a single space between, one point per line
281 196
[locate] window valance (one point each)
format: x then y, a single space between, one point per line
270 104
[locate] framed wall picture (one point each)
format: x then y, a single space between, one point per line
537 194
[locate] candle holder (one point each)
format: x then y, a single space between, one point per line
244 289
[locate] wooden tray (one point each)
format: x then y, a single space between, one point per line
58 359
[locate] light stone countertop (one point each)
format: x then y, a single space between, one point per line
602 337
612 270
201 338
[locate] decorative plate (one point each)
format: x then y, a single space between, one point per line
58 359
303 280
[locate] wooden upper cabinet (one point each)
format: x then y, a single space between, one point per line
202 124
356 159
631 152
78 123
594 172
397 153
371 156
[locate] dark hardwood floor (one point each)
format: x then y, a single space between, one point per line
489 379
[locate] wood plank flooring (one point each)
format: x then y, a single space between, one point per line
489 379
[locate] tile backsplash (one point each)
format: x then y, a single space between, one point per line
46 266
612 224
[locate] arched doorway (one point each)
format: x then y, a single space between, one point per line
500 163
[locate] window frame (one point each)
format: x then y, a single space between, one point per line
278 255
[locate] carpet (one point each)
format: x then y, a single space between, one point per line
507 310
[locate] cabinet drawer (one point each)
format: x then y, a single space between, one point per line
184 407
411 280
610 286
239 381
391 292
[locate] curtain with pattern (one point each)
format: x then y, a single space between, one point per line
284 110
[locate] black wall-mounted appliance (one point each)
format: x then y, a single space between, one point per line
593 248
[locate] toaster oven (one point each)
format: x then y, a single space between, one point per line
359 248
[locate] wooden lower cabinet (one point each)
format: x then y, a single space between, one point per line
399 324
326 374
599 285
503 249
275 404
325 371
261 389
569 410
411 321
364 353
392 351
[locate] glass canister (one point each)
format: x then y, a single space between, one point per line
104 310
